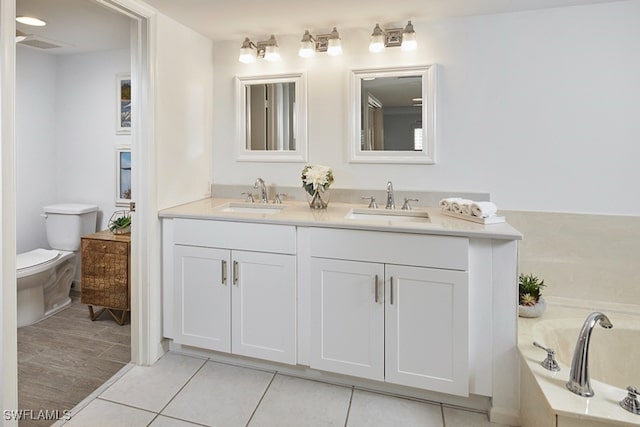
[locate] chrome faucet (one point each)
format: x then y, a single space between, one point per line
579 374
391 203
259 184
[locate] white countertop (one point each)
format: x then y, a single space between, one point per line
299 214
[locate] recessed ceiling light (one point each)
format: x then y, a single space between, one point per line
30 20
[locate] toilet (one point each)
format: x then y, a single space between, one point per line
44 276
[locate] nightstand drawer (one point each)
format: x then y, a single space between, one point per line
104 247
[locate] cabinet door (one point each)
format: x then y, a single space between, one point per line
264 306
347 318
202 297
427 329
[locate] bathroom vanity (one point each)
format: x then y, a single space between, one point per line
412 304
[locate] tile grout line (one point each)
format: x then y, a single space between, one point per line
177 419
120 404
261 398
346 420
183 386
97 392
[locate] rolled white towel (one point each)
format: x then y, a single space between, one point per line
445 204
466 208
458 205
483 209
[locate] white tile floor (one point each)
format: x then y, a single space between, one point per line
181 391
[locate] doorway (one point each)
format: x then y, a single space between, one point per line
142 20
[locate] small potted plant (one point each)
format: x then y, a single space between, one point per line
531 303
120 222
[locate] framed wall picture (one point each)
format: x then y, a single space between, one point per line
123 102
123 176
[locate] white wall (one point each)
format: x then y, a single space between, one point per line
538 108
35 144
184 113
66 135
86 129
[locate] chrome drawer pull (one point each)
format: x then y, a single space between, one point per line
391 292
224 272
376 289
235 273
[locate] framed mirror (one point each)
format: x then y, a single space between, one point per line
392 115
272 118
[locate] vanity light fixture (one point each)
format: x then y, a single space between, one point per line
248 52
307 46
335 44
330 43
393 37
377 40
267 49
30 20
271 50
409 41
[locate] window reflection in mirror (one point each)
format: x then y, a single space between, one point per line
392 115
271 118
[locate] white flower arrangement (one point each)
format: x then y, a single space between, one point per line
316 178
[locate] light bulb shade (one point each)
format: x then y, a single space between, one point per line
334 47
272 53
377 40
247 53
307 46
334 44
377 44
307 49
409 41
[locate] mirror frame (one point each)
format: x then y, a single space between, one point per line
300 114
427 155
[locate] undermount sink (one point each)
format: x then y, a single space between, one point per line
388 215
257 208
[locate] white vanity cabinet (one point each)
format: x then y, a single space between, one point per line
404 324
234 288
202 297
424 309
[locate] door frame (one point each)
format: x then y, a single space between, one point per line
146 326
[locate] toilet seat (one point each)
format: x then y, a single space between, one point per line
27 261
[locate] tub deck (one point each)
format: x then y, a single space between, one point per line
544 396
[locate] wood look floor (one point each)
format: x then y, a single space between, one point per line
63 359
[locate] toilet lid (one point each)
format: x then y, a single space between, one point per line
35 257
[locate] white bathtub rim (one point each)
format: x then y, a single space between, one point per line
604 405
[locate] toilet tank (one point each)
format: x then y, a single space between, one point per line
67 223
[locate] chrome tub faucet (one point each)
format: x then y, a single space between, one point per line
579 375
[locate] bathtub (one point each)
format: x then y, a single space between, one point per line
614 364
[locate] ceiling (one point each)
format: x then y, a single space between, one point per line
82 25
76 26
234 20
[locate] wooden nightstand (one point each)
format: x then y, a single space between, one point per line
106 268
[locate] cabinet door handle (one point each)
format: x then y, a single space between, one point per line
391 292
376 289
224 272
235 273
